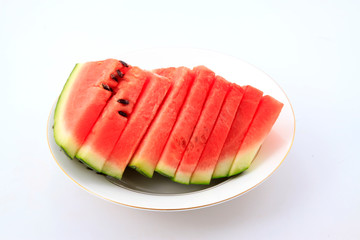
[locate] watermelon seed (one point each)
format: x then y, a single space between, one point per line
120 73
113 77
183 143
123 101
100 173
88 168
106 87
124 63
122 113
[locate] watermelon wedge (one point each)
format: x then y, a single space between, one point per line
244 115
265 117
202 130
145 110
185 124
106 131
206 165
149 151
84 96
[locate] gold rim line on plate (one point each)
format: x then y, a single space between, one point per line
189 208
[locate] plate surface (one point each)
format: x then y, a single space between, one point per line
160 193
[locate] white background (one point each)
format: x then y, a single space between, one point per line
311 48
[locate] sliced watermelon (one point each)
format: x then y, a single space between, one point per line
244 115
151 146
202 130
106 131
85 94
145 110
265 117
185 124
206 165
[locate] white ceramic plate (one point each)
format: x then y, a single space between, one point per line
161 193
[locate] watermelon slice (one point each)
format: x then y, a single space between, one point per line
265 117
144 112
185 124
202 130
106 131
150 148
84 96
244 115
212 150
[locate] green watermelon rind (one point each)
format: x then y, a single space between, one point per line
164 170
111 171
200 179
91 159
142 167
239 168
222 171
62 138
181 178
242 163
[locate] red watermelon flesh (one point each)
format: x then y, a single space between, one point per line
106 131
265 117
82 100
244 115
202 130
168 72
186 121
145 110
206 165
149 151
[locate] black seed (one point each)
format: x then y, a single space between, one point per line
106 87
124 63
100 173
122 113
113 77
88 168
123 101
120 73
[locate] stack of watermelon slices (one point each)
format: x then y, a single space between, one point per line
188 124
